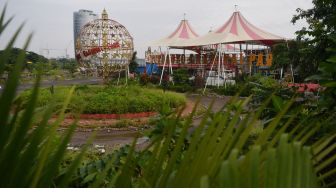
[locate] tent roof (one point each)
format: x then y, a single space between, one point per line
179 38
237 30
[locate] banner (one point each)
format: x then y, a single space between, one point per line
260 60
241 58
96 50
252 58
234 59
269 59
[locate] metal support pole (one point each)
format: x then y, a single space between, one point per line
127 73
291 67
201 59
223 69
218 66
118 79
170 64
240 56
164 64
206 83
251 62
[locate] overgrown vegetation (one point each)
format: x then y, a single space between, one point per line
107 99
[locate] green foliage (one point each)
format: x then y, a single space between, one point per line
133 64
316 37
30 57
281 56
327 78
181 76
298 54
181 81
69 64
108 100
30 153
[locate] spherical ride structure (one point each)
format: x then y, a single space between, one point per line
105 47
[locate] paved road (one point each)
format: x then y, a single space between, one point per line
63 83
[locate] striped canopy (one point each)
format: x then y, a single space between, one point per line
179 38
237 30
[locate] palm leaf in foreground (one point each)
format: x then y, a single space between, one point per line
30 153
224 151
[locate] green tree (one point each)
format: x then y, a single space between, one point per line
321 21
294 53
133 64
319 40
31 57
70 65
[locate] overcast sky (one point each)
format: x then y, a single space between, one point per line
146 20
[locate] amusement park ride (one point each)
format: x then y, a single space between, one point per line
104 47
236 47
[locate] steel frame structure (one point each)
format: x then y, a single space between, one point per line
105 46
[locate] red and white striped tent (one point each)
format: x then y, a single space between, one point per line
183 37
237 30
179 38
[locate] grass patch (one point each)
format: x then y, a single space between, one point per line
107 99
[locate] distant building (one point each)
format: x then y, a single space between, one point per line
80 18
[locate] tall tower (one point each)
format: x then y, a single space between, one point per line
80 18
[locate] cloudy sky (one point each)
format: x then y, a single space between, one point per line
147 20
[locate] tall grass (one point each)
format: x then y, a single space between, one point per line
29 154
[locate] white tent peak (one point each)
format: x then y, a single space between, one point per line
182 34
238 25
184 31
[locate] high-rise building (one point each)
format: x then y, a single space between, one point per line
80 18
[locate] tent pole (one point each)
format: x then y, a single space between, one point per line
201 59
246 55
118 78
206 83
291 66
164 64
218 66
240 56
160 51
127 73
223 64
222 61
251 63
170 64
